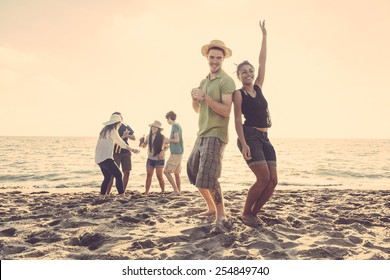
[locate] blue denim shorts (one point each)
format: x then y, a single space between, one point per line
155 163
262 151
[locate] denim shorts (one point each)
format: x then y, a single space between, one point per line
262 151
155 163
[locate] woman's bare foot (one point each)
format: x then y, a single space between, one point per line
250 219
174 194
207 213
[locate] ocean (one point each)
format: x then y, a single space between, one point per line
68 162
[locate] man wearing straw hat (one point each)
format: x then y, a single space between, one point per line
212 100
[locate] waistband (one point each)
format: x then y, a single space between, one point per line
263 133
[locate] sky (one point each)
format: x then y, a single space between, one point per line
66 65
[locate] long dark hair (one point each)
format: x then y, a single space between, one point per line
106 129
157 143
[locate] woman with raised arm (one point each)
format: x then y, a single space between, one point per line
253 140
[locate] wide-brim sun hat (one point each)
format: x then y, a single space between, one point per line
113 119
156 124
216 44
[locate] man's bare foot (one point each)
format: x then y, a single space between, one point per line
218 227
102 196
219 220
122 196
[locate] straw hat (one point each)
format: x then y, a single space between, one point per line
113 119
216 44
156 124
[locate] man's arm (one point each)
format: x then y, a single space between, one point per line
222 108
195 105
128 133
197 96
175 139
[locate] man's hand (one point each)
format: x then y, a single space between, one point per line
198 94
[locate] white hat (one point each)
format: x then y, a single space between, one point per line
216 44
113 119
156 124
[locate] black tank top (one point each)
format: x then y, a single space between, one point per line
255 109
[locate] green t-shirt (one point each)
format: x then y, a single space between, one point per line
176 148
210 123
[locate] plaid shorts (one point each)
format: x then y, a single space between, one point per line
204 165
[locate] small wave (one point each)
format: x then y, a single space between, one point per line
17 178
348 174
85 172
309 185
63 186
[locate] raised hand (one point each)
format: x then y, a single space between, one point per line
262 26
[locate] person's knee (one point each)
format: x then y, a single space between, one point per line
160 177
118 175
264 179
167 173
273 181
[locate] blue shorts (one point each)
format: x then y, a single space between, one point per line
155 163
262 151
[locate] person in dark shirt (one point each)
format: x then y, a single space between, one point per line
253 140
122 157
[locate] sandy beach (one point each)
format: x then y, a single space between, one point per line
299 224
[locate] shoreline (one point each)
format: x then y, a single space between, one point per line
300 224
186 187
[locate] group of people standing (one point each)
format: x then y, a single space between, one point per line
113 151
212 100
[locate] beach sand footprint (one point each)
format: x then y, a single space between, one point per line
9 232
44 236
